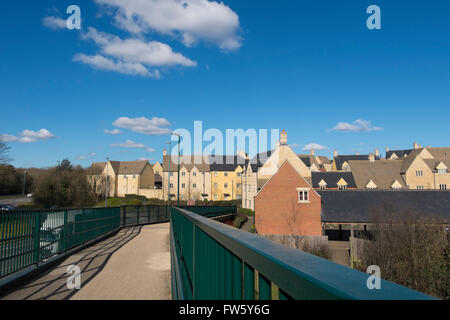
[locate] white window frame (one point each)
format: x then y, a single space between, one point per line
442 171
443 186
420 187
419 173
303 195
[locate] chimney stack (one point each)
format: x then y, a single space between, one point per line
312 152
283 138
165 152
377 153
335 153
387 149
371 157
357 153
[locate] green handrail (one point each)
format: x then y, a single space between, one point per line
211 260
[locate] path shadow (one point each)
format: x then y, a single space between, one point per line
52 285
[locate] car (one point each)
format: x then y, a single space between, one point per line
6 207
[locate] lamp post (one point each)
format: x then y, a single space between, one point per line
178 174
106 183
24 181
168 173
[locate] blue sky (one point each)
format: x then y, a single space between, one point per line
303 66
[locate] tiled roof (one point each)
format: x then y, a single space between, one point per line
382 172
360 206
332 178
346 158
399 153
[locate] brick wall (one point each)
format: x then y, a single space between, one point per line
278 211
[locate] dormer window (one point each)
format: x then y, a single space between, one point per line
322 185
371 185
442 171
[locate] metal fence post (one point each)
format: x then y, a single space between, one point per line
159 218
137 209
64 233
37 228
83 223
124 215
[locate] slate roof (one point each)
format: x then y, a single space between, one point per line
382 172
129 167
399 153
440 153
359 206
199 162
226 163
332 178
341 159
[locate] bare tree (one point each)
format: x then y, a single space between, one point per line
4 150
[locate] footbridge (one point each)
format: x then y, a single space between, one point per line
161 252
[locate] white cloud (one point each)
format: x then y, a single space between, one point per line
102 63
86 157
54 23
145 159
294 145
113 132
152 53
191 20
314 146
131 56
359 125
133 145
27 136
153 126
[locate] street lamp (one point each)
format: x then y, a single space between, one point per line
178 174
106 183
169 172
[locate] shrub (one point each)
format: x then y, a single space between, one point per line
411 252
239 220
64 186
247 212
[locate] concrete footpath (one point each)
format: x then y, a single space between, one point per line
134 264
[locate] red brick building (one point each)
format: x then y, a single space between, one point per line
288 204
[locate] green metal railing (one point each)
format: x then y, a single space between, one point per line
30 237
211 260
211 211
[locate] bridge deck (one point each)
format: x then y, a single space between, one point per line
133 264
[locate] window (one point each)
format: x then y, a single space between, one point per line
215 185
171 185
442 171
183 185
225 185
215 174
238 185
342 187
194 186
194 174
419 187
443 186
226 174
134 177
303 195
183 174
215 196
238 174
171 174
419 173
